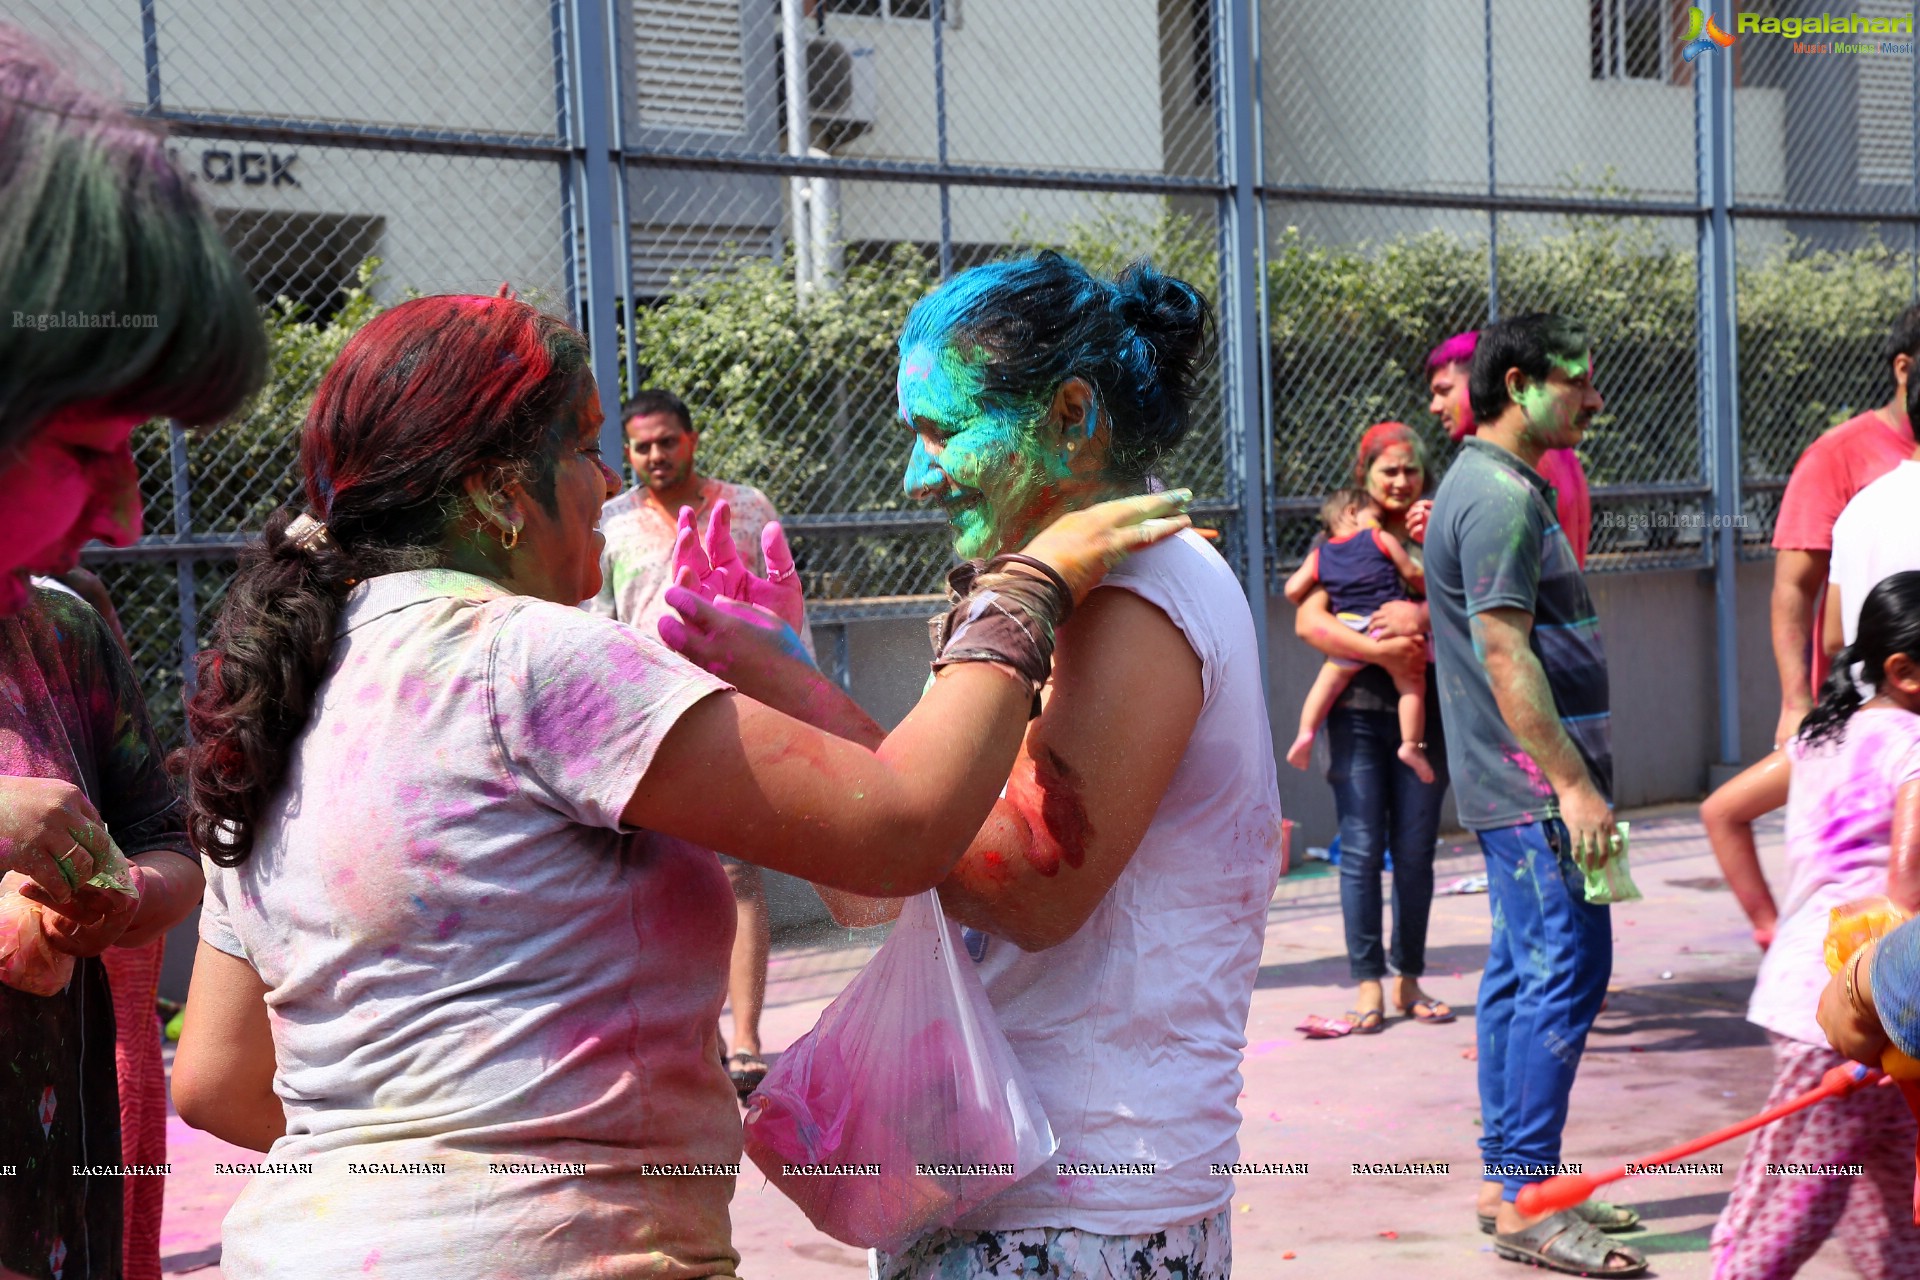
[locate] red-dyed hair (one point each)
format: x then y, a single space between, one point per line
1379 438
426 395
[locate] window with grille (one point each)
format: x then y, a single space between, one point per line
902 9
689 65
1631 39
1886 108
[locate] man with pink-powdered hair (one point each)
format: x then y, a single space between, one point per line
1447 367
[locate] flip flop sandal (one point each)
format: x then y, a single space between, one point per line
746 1070
1319 1028
1565 1243
1596 1213
1437 1011
1372 1022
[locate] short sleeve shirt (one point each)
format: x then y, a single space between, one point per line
1839 841
1875 537
635 566
474 968
1494 542
1836 466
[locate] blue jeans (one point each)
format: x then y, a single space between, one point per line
1383 807
1548 962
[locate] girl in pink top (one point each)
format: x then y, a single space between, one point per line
1853 831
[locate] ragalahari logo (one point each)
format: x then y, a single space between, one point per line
1703 33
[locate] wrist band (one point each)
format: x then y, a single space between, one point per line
1052 575
1004 618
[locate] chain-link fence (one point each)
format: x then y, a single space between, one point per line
740 199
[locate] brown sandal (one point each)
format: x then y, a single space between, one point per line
1565 1243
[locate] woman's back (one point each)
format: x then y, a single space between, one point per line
470 970
1838 835
1132 1029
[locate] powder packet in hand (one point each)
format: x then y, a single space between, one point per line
111 870
1611 881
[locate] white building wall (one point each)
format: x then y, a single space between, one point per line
1030 84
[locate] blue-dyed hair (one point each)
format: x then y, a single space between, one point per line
1139 341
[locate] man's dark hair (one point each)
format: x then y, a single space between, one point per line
645 404
1905 341
1529 343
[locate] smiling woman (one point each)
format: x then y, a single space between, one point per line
1117 892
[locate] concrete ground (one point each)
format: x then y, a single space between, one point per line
1671 1058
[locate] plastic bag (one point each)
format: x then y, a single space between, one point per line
904 1108
27 962
1611 881
1853 925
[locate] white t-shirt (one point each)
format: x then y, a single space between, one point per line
1877 535
473 968
1132 1029
1839 841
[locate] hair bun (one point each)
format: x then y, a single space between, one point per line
1169 313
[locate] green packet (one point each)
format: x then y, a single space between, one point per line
111 871
1612 881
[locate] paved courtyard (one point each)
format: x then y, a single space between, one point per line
1671 1058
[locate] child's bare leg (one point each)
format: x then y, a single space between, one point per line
1413 725
1327 686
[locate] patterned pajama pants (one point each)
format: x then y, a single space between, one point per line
133 975
1200 1250
1772 1225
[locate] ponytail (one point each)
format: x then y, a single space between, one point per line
271 648
1839 699
427 394
1889 625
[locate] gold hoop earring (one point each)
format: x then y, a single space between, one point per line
512 539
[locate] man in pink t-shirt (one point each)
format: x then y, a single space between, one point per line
1839 463
1447 368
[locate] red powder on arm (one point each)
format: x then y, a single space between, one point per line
1045 793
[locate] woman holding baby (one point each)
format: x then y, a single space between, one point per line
1384 804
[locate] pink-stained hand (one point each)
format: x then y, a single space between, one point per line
1417 516
720 574
747 645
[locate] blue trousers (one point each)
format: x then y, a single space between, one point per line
1386 815
1548 962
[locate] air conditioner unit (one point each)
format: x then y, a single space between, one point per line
843 89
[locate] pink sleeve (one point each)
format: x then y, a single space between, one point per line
1573 503
1815 496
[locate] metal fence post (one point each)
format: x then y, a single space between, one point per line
185 578
1719 387
1493 215
591 63
1242 344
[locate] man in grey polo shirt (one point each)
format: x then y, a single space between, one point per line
1523 687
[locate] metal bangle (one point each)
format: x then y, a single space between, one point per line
1852 972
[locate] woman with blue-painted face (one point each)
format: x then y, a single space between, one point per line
1115 899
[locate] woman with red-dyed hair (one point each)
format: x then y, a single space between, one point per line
464 947
1384 805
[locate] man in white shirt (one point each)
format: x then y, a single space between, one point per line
1875 536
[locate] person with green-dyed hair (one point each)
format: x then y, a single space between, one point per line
118 304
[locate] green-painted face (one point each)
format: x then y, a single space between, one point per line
1559 409
983 463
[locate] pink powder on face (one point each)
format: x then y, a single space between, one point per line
75 481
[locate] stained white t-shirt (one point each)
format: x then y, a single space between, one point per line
1132 1030
1839 839
1875 537
476 976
